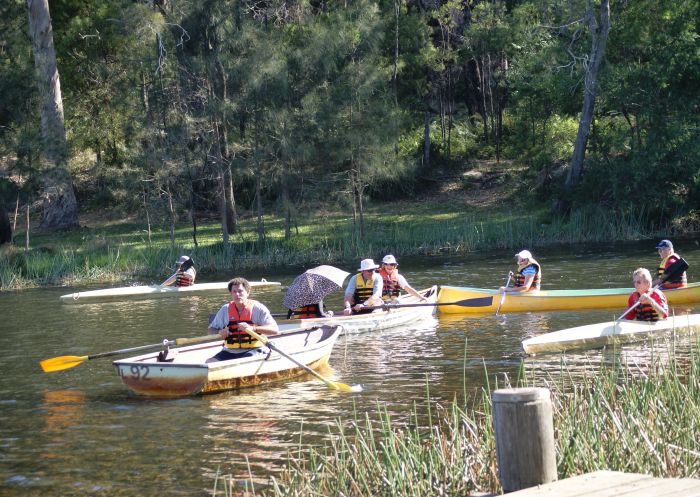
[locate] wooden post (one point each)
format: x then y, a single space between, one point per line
522 421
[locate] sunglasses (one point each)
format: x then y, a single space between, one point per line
392 265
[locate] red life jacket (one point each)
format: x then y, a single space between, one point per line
307 312
240 339
184 279
646 312
391 286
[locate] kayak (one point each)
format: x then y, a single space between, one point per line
481 300
186 372
612 332
155 291
391 316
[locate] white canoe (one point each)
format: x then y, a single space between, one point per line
188 373
598 335
155 291
391 317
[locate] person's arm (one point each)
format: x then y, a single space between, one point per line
348 300
409 289
657 300
217 325
377 288
170 280
631 315
263 321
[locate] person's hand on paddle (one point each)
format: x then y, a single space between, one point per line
504 289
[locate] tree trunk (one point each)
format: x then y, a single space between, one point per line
426 139
5 226
222 207
231 202
599 37
60 207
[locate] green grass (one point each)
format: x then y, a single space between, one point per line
123 251
620 418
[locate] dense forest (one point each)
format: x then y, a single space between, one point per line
166 109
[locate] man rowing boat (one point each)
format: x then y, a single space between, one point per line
237 317
185 274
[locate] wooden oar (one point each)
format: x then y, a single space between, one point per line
676 268
69 361
333 384
503 297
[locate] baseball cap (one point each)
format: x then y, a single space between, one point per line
664 244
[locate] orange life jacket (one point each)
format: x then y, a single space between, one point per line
520 277
238 339
391 286
678 281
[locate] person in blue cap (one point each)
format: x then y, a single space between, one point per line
668 258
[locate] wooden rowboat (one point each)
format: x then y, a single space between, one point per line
154 291
482 301
381 319
598 335
188 373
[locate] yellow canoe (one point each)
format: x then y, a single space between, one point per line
484 301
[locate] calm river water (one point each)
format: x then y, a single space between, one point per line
79 432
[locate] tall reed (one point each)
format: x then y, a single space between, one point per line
621 418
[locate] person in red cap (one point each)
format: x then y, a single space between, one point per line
529 274
668 259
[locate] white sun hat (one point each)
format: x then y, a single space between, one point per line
183 259
524 254
367 265
389 259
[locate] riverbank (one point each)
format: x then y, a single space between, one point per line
635 418
475 213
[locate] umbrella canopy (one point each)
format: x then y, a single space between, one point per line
313 285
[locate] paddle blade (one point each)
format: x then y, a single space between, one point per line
344 387
62 362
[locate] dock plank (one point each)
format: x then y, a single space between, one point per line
614 484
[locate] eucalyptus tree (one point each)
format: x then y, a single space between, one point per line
60 207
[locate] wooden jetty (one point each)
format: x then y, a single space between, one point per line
522 419
613 484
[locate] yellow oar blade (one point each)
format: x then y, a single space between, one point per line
343 387
62 362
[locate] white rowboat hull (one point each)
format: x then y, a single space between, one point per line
190 374
381 319
598 335
154 291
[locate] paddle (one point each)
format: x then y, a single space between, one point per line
473 302
503 297
333 384
673 270
185 266
69 361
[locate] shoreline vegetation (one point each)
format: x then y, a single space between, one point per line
620 417
126 252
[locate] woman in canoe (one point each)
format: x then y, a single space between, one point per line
645 303
393 282
235 318
529 274
185 274
364 289
668 259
